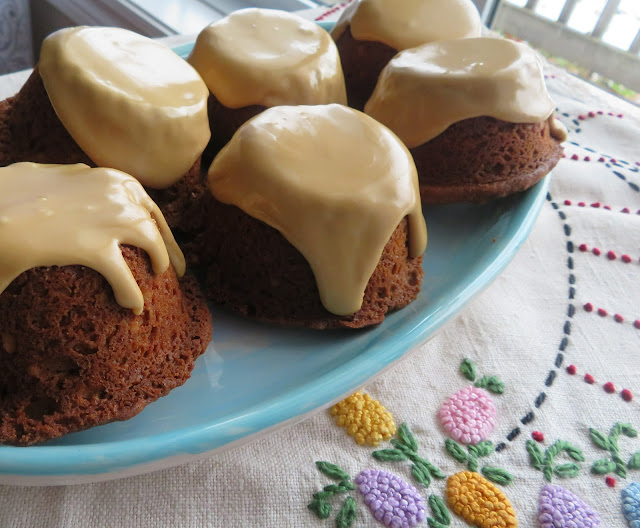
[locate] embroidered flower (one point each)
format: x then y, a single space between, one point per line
560 508
479 502
631 504
365 419
469 415
393 502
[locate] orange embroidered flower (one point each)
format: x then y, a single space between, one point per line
365 419
479 502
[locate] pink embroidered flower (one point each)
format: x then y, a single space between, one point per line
469 415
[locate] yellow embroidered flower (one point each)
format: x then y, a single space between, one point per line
479 502
365 419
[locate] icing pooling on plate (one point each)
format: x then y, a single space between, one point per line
422 91
333 181
60 215
403 24
268 57
129 102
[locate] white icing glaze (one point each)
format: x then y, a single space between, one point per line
59 215
333 181
403 24
422 91
268 57
129 102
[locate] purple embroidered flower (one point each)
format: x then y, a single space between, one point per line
559 508
469 415
392 501
631 504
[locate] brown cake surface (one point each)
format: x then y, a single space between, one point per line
30 130
362 62
482 158
265 278
72 358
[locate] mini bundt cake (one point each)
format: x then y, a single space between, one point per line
112 98
475 114
316 220
95 323
370 32
255 59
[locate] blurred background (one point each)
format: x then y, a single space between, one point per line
598 40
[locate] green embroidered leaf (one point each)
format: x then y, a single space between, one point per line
389 455
321 508
399 445
628 430
621 470
497 475
468 369
405 434
547 472
347 513
347 484
455 450
435 524
573 452
338 488
428 467
332 471
567 470
323 495
634 461
472 464
491 383
535 455
484 448
421 476
603 466
599 439
439 509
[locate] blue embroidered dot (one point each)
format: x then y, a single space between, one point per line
631 504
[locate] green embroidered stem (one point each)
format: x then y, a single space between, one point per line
610 443
546 462
406 448
320 505
440 512
456 451
347 513
468 369
491 383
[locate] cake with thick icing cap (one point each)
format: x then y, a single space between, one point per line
306 229
95 322
370 32
475 114
259 58
113 98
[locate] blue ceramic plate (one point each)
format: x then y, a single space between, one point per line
255 378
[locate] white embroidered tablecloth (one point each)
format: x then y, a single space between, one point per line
559 330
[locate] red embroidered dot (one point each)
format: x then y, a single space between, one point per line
589 379
581 204
609 387
588 307
567 202
582 117
600 112
601 160
587 158
611 255
625 258
596 252
575 157
618 318
596 205
571 369
537 436
621 115
583 247
602 312
626 210
592 114
626 395
611 482
610 113
613 160
607 207
636 323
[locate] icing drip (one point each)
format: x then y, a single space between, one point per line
422 91
403 24
61 215
269 58
129 102
296 169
